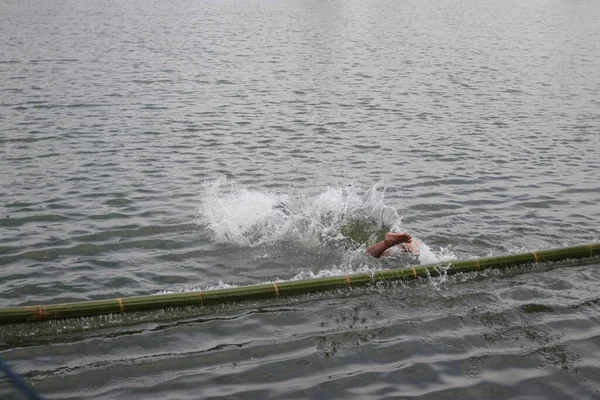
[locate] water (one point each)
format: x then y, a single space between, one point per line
146 148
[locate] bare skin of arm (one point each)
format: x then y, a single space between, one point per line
391 239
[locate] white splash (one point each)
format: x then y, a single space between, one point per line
237 215
221 285
244 217
429 256
241 216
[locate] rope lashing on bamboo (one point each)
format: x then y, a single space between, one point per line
288 288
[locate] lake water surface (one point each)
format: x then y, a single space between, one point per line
148 147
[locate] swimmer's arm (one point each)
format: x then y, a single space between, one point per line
391 239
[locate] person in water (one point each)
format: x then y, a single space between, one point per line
402 240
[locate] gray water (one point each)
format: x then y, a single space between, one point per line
146 146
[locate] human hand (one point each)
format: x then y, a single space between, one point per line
393 239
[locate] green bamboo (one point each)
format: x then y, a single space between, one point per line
287 288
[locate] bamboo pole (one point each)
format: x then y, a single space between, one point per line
287 288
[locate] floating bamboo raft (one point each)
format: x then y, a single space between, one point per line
288 288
